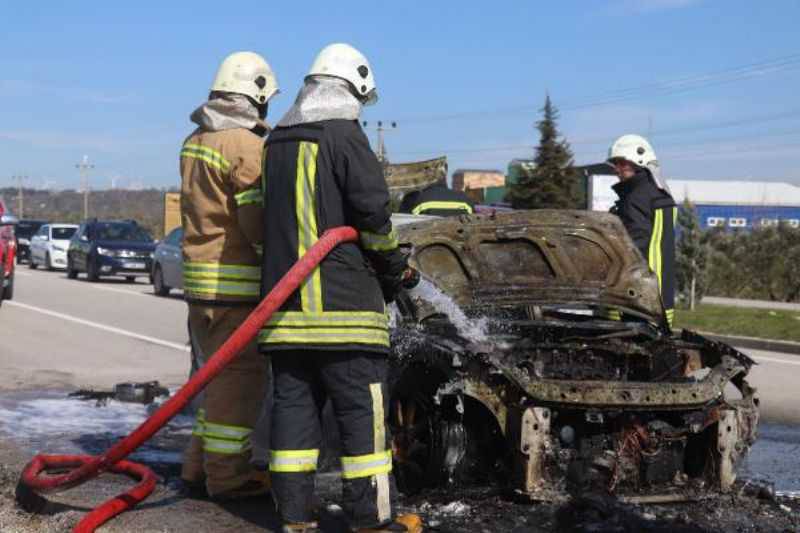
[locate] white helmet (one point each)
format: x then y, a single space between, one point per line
343 61
633 148
246 73
636 149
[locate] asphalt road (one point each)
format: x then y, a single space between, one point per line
62 333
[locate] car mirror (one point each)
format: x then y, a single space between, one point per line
8 220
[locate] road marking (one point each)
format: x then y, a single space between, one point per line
111 329
774 360
124 291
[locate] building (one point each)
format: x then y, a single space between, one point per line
481 185
734 204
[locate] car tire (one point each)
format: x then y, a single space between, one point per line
158 282
71 272
48 263
92 273
31 263
8 292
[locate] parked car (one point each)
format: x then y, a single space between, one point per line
167 271
49 246
24 231
8 251
110 248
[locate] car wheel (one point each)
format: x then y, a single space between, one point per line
8 292
92 273
31 263
48 263
71 272
158 282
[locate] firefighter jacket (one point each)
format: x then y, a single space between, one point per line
221 212
437 200
649 215
321 175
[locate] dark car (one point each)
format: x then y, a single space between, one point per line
110 248
8 249
168 263
24 231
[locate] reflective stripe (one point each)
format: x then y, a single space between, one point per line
249 197
199 423
204 153
425 206
610 314
654 257
306 213
223 431
205 279
670 317
220 270
224 446
293 460
323 336
367 465
378 242
329 318
378 430
229 288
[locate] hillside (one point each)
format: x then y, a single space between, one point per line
144 206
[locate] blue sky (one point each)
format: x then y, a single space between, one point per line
715 82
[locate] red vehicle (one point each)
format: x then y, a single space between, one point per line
8 250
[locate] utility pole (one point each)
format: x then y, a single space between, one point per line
83 167
381 152
19 180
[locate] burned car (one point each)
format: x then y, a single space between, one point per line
562 375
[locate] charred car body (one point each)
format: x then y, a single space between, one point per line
555 396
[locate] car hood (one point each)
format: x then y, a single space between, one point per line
128 245
528 258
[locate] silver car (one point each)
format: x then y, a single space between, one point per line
167 271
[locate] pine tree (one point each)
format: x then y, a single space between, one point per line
691 256
554 183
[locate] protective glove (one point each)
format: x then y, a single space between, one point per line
392 285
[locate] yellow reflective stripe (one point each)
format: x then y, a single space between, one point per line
224 446
293 460
367 465
324 336
654 259
199 270
329 318
209 155
610 314
425 206
223 431
378 429
378 242
306 213
199 423
232 288
670 316
249 197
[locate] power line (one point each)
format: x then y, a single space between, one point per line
664 88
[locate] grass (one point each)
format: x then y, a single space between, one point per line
742 321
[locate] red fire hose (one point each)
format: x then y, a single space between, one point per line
85 467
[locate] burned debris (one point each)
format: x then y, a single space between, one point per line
144 393
575 383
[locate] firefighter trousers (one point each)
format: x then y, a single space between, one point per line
219 451
355 382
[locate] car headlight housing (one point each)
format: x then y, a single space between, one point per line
106 251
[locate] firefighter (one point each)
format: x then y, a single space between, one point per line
221 213
438 200
330 339
647 210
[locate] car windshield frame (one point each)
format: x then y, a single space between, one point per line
121 231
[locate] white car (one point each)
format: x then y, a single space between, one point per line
49 245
